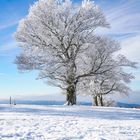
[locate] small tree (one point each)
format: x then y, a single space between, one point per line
111 82
110 77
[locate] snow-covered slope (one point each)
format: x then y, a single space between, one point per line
30 122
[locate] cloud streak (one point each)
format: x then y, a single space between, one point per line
7 47
9 25
124 18
131 48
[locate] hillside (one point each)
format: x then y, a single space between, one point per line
34 122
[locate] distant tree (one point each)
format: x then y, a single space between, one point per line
58 39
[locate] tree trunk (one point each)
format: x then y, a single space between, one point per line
95 101
101 100
71 95
10 101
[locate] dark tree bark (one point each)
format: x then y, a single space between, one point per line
71 95
95 101
101 100
10 101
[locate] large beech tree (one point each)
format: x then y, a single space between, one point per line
59 40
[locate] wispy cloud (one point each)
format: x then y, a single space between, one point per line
131 48
7 47
124 18
10 24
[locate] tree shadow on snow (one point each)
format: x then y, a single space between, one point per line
95 113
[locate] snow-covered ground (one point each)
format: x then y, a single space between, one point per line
32 122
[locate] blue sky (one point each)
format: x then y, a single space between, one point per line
124 17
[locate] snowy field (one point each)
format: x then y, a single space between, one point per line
32 122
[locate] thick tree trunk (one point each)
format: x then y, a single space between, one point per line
71 95
101 100
95 101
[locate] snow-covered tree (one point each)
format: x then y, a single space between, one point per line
58 39
53 35
111 82
107 75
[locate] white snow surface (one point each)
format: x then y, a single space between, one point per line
34 122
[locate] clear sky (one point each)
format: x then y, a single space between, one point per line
123 15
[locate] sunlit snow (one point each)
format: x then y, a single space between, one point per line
32 122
